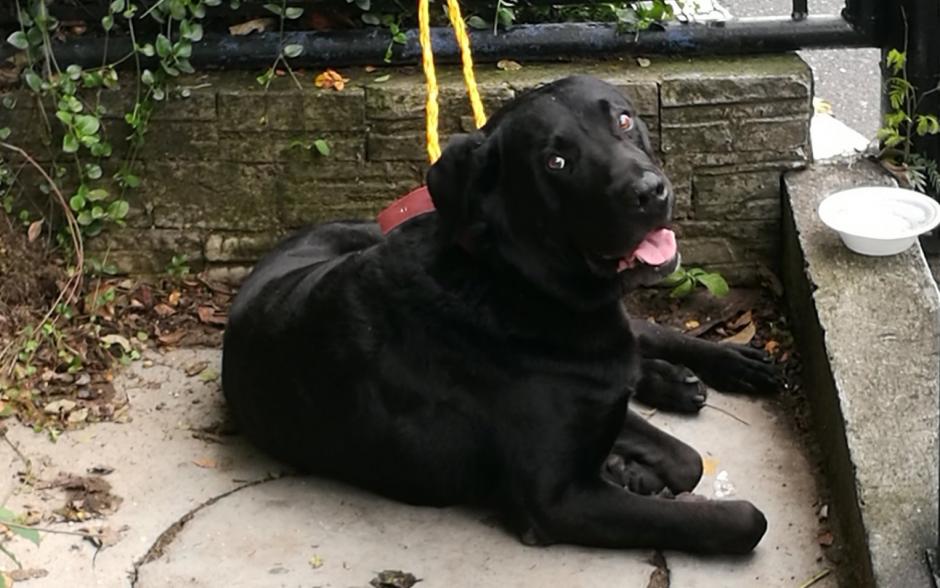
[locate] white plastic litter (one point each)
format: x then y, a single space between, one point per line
722 486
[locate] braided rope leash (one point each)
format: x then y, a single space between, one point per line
427 62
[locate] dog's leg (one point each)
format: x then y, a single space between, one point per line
669 387
590 510
596 513
647 460
728 368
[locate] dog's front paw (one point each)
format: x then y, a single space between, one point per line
741 369
673 388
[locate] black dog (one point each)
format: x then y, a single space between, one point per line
482 352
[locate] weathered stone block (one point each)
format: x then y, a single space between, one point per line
707 137
706 250
737 196
747 161
321 200
743 231
395 102
643 95
798 107
253 110
244 247
177 141
403 147
228 274
751 86
146 251
280 146
211 194
329 110
761 135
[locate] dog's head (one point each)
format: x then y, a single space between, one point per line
563 186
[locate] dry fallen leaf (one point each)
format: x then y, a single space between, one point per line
59 406
771 346
255 25
742 320
117 340
330 79
172 338
174 297
206 462
104 536
34 230
643 62
743 337
195 367
25 574
163 310
825 538
692 324
207 315
508 65
394 579
370 68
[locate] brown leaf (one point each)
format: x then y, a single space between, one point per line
771 346
206 462
370 68
174 298
172 338
394 579
742 320
195 368
255 25
508 65
34 230
330 79
825 538
104 536
692 324
207 315
163 310
743 337
25 574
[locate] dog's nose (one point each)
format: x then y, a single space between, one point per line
650 188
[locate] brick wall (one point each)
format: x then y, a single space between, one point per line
221 183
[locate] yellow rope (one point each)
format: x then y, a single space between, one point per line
460 31
427 63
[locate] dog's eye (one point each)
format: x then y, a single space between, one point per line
556 162
625 121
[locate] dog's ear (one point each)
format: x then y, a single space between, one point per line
457 180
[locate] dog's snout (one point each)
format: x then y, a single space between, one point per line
650 188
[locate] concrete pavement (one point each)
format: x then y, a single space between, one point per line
205 510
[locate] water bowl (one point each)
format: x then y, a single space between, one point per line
879 220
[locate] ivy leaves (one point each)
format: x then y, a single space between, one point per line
905 122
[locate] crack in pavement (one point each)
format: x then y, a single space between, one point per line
166 538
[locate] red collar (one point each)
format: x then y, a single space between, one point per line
415 203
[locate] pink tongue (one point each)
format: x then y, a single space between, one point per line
657 248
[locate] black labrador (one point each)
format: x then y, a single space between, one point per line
481 352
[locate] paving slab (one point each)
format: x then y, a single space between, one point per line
869 332
206 514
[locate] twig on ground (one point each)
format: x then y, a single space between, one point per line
729 413
816 578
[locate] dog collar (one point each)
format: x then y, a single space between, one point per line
412 204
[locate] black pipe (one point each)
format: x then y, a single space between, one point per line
543 42
800 10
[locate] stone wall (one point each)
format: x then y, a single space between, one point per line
221 182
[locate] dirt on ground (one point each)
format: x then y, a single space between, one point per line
57 361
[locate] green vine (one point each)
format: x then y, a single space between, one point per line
906 121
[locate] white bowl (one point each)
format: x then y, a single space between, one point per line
879 220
